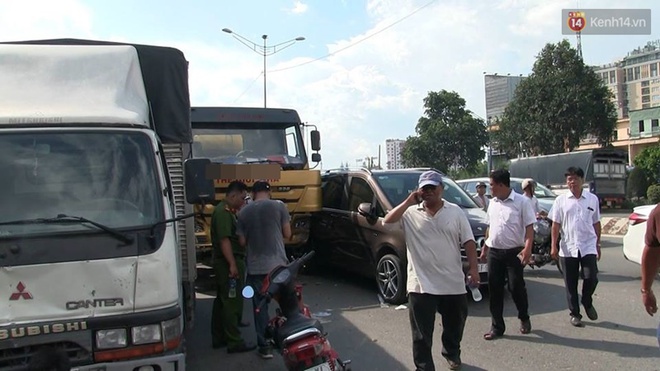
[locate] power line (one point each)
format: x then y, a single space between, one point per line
359 41
249 86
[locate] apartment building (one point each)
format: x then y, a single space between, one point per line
394 149
635 83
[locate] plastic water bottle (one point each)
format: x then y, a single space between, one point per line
232 287
474 289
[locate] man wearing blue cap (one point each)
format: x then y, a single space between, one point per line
434 231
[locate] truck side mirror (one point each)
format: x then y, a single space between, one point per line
199 189
315 136
316 157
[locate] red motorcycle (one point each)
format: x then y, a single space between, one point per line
298 337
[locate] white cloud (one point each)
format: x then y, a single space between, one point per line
37 19
299 7
371 91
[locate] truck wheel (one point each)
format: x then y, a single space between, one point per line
391 280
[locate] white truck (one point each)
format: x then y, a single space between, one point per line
97 264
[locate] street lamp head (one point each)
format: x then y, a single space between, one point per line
264 37
226 30
300 38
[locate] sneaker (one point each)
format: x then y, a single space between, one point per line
576 321
265 352
591 313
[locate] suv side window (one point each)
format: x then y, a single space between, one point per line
360 191
333 188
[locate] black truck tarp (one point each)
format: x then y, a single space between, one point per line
165 75
550 169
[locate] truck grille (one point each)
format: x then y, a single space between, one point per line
18 359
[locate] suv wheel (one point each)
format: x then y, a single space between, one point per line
390 279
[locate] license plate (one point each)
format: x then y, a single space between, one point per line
483 268
321 367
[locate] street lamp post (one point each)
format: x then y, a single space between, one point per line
264 50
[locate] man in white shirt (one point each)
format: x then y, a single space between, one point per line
528 186
434 231
576 215
507 250
480 198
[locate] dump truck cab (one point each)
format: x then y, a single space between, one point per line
259 139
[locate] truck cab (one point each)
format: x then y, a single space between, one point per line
93 232
259 139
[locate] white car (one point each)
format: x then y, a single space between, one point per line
633 240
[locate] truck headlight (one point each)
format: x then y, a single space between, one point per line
111 339
171 329
146 334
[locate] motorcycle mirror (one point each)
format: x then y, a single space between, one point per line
248 292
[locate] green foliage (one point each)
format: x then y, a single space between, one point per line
478 171
653 193
649 161
561 102
637 183
448 136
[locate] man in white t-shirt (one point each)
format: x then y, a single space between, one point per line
435 230
528 186
480 198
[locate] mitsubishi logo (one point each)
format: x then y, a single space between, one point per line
20 293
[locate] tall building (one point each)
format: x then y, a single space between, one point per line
635 83
394 148
635 80
500 91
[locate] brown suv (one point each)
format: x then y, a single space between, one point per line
348 232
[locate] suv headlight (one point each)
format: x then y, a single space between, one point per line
146 334
111 339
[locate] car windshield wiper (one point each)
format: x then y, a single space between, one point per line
64 219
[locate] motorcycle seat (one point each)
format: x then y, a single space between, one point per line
296 325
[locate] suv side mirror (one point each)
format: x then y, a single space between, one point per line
199 189
315 136
364 209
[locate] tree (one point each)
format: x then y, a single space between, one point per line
560 103
649 161
448 136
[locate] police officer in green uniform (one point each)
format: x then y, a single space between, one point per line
228 262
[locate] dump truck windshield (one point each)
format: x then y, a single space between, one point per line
250 143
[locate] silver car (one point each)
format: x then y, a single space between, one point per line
545 196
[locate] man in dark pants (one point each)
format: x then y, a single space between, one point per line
576 215
507 250
262 227
434 231
229 262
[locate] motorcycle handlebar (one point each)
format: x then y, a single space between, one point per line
261 303
305 258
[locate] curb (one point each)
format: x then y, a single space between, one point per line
617 226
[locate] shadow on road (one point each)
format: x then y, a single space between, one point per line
626 350
324 302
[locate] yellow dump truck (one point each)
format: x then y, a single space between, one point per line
259 137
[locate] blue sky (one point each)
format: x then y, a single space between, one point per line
358 97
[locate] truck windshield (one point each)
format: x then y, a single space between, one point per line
242 143
108 177
397 186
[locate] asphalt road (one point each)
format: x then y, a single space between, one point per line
377 337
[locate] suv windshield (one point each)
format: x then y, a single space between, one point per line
108 177
397 186
250 143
